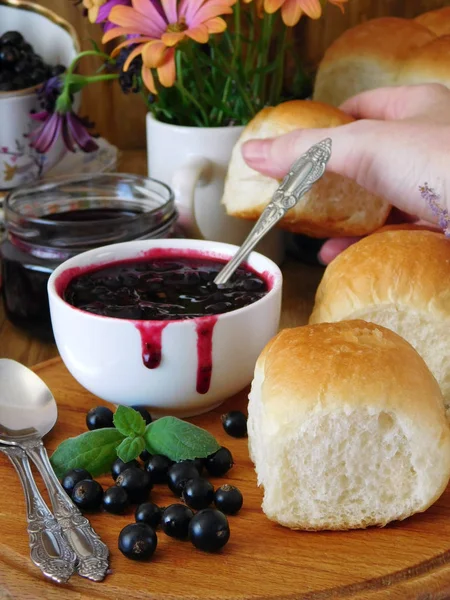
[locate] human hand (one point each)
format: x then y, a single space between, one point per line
399 142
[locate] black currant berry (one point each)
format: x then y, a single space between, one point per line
87 494
198 463
11 37
118 466
99 418
175 521
137 541
144 414
198 493
220 462
178 474
157 466
149 513
209 530
115 500
228 499
235 423
137 484
144 455
72 477
9 55
57 70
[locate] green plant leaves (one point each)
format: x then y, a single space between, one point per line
129 422
130 448
94 451
179 440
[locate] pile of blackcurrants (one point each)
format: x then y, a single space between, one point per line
207 529
20 66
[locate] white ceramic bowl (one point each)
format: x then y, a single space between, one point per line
56 41
105 354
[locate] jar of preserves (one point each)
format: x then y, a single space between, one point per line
49 222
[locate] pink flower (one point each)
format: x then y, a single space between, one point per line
158 26
72 128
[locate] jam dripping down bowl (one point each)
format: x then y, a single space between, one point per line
181 366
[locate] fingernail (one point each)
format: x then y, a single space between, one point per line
320 260
255 150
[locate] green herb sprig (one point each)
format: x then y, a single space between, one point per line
96 450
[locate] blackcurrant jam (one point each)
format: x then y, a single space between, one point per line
163 289
50 222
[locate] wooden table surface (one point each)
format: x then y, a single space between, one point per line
300 283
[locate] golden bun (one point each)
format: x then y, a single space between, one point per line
335 206
398 279
368 56
429 64
346 428
437 21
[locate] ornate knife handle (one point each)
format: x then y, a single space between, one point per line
91 552
49 550
308 169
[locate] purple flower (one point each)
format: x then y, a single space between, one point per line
48 93
70 126
105 9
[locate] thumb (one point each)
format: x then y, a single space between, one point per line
274 156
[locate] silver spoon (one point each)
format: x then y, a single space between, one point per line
28 412
49 551
308 169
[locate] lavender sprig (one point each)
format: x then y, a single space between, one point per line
432 199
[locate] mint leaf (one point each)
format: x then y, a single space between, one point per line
94 451
179 440
130 448
129 422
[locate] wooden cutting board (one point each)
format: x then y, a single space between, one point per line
408 560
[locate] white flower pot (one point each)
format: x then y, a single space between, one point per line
193 161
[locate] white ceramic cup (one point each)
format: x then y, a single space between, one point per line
56 41
193 161
105 354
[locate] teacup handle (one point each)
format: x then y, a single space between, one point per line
196 171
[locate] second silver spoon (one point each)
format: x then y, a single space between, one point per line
308 169
49 551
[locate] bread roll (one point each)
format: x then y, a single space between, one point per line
437 21
346 428
367 56
334 206
429 64
399 279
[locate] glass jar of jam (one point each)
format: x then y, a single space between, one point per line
49 222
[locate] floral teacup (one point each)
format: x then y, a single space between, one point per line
56 41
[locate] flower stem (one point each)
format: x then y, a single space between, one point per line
194 100
179 71
277 84
81 55
82 80
251 49
237 32
260 83
197 74
234 75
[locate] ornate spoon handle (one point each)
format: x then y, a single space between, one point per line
49 550
308 169
91 552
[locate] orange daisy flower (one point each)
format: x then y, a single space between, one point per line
292 10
